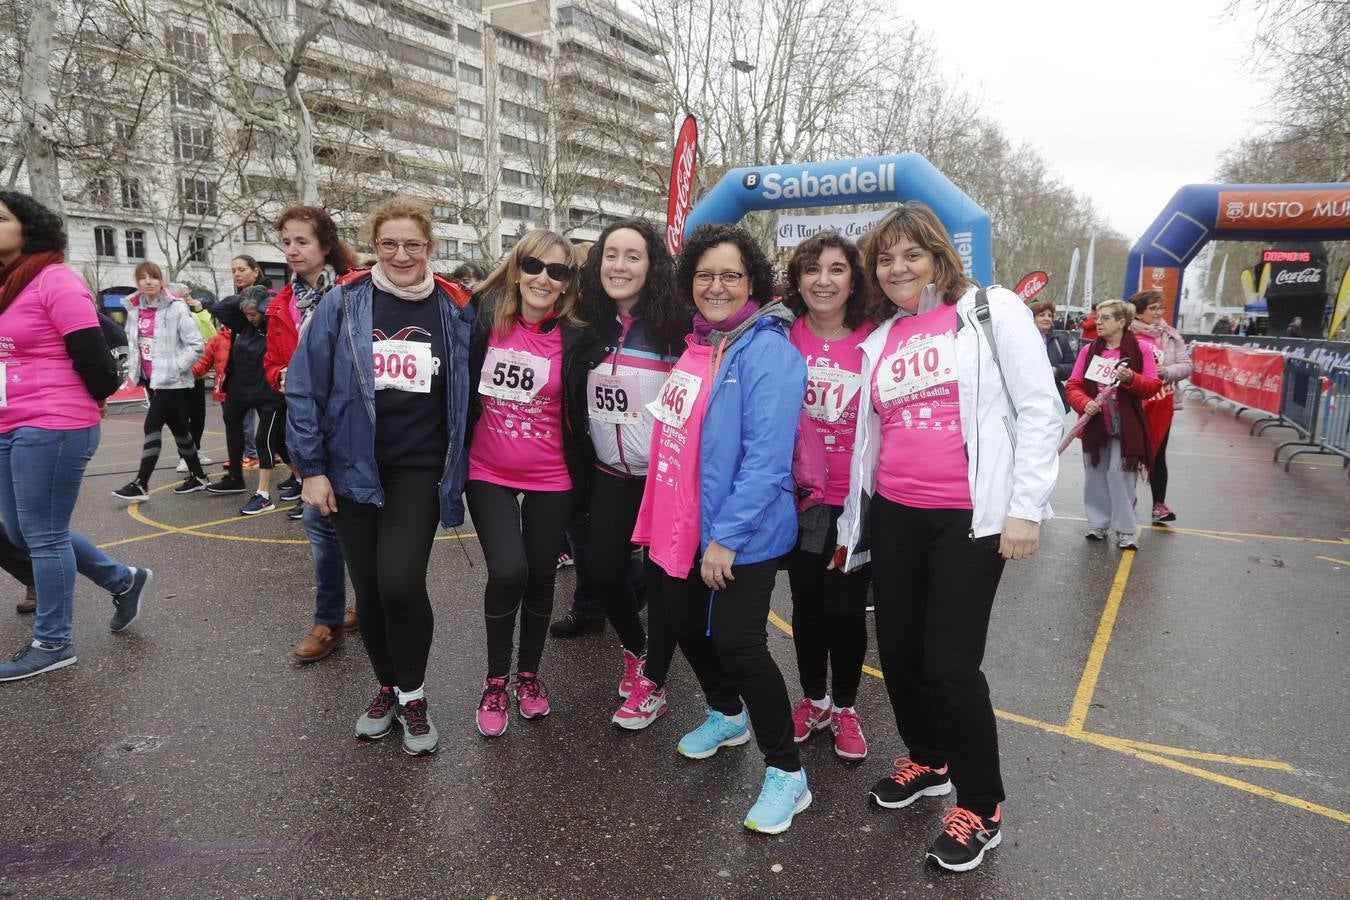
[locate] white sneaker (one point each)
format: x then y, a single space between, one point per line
181 467
206 460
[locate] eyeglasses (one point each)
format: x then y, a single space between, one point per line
703 278
533 265
389 246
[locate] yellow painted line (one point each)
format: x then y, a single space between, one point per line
1198 754
783 626
132 540
1344 562
1087 684
1206 532
1163 529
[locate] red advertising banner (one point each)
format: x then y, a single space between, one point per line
1031 285
1165 280
1278 210
681 184
1248 377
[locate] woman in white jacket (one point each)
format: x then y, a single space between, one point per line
163 343
954 460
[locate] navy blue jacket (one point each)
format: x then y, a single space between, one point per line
330 395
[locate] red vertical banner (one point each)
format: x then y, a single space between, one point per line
1165 280
681 183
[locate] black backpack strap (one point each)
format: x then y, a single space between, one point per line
986 320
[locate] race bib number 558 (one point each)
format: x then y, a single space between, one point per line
514 375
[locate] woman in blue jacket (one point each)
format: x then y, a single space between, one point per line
718 512
377 397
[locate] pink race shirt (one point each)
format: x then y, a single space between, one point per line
915 391
40 386
518 441
668 522
833 386
145 338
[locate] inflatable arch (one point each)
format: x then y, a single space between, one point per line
845 182
1200 213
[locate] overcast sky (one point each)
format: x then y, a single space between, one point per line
1127 101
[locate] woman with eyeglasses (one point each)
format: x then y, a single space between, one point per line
1174 365
529 457
718 510
378 392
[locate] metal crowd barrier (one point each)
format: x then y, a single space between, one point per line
1335 436
1301 403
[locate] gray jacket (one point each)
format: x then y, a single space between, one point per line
174 348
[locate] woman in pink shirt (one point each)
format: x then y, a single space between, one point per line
528 456
55 375
827 291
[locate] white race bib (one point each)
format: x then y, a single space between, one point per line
145 345
4 387
615 399
403 366
514 375
829 392
1101 370
676 400
917 366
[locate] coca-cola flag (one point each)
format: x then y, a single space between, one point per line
681 183
1031 285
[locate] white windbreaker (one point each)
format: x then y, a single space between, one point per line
1013 462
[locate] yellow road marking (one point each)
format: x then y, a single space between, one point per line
132 540
1206 532
1163 529
1344 562
1087 685
1198 754
787 629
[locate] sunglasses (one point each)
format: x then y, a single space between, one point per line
533 265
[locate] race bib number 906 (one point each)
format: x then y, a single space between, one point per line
614 399
917 366
402 366
514 375
676 401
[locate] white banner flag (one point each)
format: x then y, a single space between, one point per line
792 230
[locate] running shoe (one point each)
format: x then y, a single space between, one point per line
1095 534
716 732
191 485
909 782
227 484
296 513
181 468
289 489
573 625
35 658
1162 514
1125 541
849 742
807 719
565 559
419 734
783 795
965 838
378 718
132 490
205 460
250 462
632 668
257 504
531 696
494 708
127 605
644 705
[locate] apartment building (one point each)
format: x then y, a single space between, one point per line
502 114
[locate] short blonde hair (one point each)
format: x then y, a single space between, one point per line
1116 307
399 208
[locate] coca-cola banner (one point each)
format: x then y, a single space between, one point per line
1031 285
681 184
1249 378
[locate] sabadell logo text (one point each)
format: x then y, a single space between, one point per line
776 185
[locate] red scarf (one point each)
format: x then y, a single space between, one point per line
26 266
1133 436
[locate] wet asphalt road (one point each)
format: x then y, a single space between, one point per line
1192 741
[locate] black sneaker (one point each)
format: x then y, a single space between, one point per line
289 489
297 512
966 836
227 485
132 490
127 605
572 625
191 485
909 782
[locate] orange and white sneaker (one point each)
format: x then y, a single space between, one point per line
807 719
965 837
909 782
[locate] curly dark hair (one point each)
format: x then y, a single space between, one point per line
43 229
705 237
808 252
665 316
336 252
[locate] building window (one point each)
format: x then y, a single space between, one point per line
520 211
472 144
100 192
125 131
524 113
509 241
185 96
523 80
192 141
516 178
470 37
199 247
196 196
470 74
95 128
447 249
131 193
443 212
513 144
187 43
135 243
256 232
470 110
105 242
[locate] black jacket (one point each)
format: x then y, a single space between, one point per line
245 382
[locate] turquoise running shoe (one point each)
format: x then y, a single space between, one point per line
783 796
716 732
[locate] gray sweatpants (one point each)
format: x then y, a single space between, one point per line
1108 491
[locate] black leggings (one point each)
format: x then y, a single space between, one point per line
935 590
725 638
168 407
829 620
196 411
520 540
614 502
387 549
1157 476
268 441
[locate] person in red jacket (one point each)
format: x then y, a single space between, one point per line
1115 441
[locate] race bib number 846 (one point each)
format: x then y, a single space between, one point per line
676 401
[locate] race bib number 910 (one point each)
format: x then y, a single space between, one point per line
402 366
514 375
676 400
614 399
917 366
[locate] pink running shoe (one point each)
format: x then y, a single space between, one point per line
643 706
531 696
849 742
807 718
632 668
493 709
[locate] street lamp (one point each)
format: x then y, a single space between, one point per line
739 65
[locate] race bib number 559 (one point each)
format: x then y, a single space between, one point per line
615 399
514 375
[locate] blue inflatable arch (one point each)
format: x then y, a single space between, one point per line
848 182
1200 213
